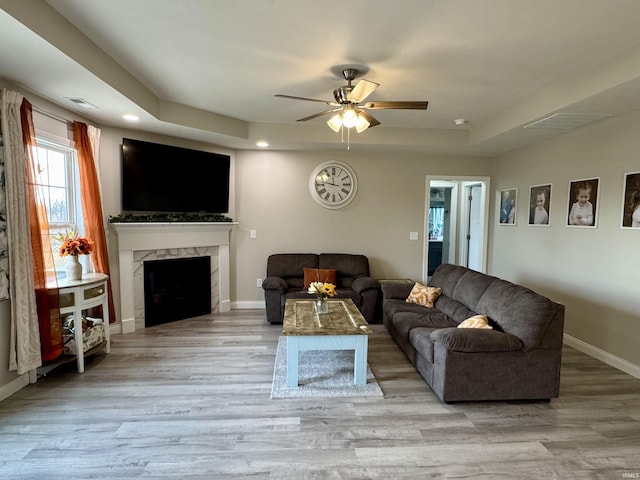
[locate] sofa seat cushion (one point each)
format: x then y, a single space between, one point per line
296 293
420 339
473 340
404 322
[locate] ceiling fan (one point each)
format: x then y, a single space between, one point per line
349 108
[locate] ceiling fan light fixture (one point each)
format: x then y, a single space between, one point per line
349 118
361 124
335 122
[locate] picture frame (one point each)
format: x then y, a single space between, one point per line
539 205
507 205
631 201
583 212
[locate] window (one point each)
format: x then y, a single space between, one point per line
436 223
56 167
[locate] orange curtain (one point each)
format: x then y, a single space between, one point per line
92 206
47 300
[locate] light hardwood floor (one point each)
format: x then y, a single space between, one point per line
191 399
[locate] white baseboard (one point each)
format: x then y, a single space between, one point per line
595 352
128 325
13 386
248 305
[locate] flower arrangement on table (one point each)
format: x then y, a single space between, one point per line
322 290
74 245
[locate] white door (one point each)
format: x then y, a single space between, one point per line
474 231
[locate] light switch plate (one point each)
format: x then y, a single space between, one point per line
413 235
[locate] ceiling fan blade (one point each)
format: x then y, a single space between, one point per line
396 105
372 121
306 99
311 117
362 90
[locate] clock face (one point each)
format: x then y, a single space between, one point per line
333 184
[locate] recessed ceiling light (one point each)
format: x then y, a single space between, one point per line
262 144
460 121
130 117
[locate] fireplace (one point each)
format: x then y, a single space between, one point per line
176 289
142 242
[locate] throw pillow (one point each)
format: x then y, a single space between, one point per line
423 295
477 321
325 275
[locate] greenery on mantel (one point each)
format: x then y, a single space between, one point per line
169 218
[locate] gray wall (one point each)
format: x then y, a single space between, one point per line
273 199
593 271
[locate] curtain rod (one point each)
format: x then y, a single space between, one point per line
52 115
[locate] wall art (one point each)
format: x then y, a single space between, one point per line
508 198
582 208
539 205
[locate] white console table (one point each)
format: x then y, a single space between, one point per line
77 296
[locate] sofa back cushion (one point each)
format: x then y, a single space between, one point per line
348 267
518 311
511 308
290 267
461 290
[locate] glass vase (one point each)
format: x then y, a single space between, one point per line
322 306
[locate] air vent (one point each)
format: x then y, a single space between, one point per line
567 121
81 102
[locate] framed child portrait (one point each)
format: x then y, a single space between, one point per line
507 206
631 201
583 203
539 202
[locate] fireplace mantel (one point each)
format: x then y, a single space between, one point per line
134 237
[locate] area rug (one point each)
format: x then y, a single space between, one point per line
321 373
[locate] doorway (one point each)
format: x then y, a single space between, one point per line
456 222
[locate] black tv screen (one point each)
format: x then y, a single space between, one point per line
166 179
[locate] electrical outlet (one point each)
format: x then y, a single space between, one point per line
259 282
253 234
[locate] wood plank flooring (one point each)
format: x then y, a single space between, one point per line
191 399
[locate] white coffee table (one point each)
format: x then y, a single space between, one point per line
343 328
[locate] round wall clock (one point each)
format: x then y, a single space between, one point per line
333 184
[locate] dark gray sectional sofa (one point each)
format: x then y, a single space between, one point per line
518 360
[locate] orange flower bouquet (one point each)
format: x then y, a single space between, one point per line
74 245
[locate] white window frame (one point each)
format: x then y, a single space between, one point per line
65 146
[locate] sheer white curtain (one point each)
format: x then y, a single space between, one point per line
24 352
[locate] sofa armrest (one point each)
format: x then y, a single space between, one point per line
361 284
396 290
275 283
472 340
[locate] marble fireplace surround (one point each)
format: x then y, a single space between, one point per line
138 242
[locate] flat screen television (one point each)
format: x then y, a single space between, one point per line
165 179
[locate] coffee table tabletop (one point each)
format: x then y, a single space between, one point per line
344 318
343 328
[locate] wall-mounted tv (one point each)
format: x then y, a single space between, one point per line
166 179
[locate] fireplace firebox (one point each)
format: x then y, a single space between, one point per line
176 289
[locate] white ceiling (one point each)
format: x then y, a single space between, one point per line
208 69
